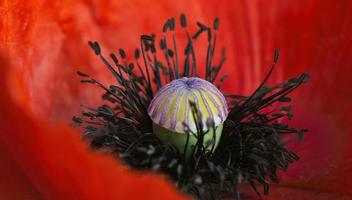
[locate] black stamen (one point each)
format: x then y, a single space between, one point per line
251 147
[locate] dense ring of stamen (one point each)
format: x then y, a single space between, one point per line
122 126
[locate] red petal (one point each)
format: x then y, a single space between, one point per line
59 164
47 44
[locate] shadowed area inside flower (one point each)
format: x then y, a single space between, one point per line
46 44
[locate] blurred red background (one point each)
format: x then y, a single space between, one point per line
43 44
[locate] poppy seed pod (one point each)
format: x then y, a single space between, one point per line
173 118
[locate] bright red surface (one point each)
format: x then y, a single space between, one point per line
43 43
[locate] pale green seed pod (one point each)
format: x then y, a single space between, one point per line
173 120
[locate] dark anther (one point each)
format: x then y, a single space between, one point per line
183 21
95 46
202 26
122 53
216 24
170 52
114 58
172 24
136 54
82 74
276 55
162 43
147 37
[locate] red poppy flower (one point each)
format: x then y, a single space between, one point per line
43 44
